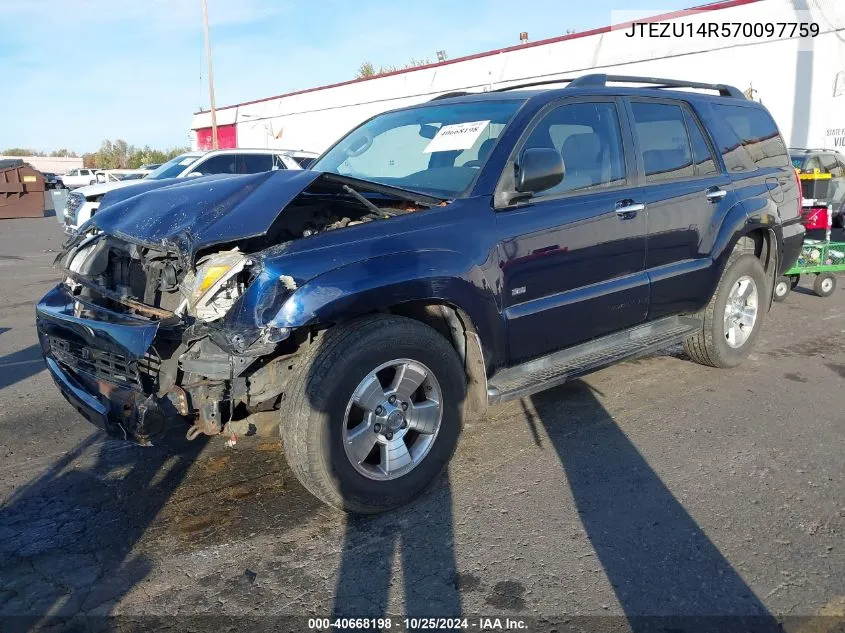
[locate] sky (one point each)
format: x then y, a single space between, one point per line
76 72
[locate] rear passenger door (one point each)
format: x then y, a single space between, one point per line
685 193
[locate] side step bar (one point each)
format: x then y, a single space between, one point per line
552 370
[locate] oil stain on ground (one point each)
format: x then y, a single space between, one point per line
507 595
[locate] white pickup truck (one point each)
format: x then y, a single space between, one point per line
84 202
79 178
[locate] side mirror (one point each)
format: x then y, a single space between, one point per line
194 174
538 169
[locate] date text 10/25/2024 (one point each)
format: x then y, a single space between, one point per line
419 624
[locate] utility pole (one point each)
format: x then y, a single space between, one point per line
210 74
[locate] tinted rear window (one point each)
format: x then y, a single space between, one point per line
757 133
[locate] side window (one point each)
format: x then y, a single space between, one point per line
756 133
278 163
221 164
662 138
812 165
254 163
830 166
704 162
589 140
84 172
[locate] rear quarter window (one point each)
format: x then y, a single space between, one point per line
755 135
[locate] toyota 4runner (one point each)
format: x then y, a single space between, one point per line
436 260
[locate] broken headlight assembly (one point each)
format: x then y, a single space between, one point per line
217 284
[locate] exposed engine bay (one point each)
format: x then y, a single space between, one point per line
199 367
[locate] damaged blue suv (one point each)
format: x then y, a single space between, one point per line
436 260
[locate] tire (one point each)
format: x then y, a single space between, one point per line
825 284
314 421
93 182
710 346
783 286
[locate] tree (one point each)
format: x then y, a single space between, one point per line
21 151
63 153
366 69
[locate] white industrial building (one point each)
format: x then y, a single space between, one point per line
50 164
800 80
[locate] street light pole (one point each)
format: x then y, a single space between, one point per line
210 74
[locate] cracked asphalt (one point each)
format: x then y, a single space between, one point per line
653 488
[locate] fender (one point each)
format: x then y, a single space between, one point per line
752 214
369 285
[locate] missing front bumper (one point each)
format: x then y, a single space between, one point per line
97 361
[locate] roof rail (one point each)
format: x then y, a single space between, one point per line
545 82
598 80
447 95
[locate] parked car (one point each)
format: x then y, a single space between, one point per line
305 159
51 180
436 260
79 178
84 202
823 174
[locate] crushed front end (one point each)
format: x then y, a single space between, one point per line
134 339
174 307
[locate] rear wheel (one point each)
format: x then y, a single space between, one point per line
825 284
374 414
782 288
732 321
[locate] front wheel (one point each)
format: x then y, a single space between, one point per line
825 284
374 413
732 321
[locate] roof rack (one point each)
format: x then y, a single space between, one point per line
812 149
447 95
601 80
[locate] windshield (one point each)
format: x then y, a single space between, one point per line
173 167
433 149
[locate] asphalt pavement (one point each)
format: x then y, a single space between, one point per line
653 488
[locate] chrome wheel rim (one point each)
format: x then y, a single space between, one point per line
741 311
392 419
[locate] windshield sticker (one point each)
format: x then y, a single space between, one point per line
457 136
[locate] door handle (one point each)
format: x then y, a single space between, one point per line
714 194
627 209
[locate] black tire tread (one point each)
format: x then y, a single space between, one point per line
299 425
701 346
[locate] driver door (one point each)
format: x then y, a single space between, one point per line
573 257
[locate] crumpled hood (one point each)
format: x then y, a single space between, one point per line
104 187
187 215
